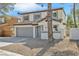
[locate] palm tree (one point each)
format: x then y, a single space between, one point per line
6 7
74 16
50 34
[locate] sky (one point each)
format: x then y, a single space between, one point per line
29 7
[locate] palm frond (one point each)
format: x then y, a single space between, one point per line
6 7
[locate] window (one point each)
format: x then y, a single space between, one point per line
55 14
2 20
37 16
56 27
26 17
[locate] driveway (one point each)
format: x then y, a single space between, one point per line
4 41
23 40
37 46
12 39
33 43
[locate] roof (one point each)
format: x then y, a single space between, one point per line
43 11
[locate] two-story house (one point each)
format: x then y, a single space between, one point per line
34 24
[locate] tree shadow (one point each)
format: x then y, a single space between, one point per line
50 44
44 44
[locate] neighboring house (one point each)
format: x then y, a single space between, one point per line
6 26
2 20
34 24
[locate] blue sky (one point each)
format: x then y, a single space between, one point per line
67 6
22 7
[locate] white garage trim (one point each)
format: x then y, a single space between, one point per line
24 26
34 32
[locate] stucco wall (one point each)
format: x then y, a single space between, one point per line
56 35
61 15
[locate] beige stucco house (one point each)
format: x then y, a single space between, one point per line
34 24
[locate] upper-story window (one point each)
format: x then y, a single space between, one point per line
55 14
37 16
2 20
26 17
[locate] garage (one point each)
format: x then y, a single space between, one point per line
24 32
25 29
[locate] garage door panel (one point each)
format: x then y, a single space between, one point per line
24 31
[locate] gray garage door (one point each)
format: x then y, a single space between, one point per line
24 32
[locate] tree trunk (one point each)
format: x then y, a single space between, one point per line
74 15
49 18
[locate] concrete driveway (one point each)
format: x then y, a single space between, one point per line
4 41
33 43
12 39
